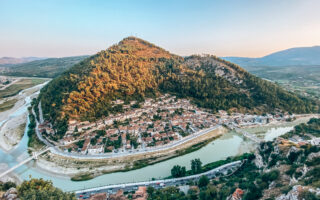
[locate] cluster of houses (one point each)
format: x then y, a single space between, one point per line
139 194
242 120
154 122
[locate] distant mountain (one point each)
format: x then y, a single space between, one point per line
293 56
135 69
11 60
49 68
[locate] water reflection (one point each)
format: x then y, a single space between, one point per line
230 144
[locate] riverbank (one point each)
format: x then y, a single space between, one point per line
261 131
87 169
13 120
299 119
11 132
82 169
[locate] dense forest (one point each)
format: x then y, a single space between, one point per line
135 69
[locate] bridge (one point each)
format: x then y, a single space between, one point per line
34 156
248 135
245 133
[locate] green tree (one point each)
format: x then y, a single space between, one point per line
150 190
196 166
203 181
178 171
39 189
6 186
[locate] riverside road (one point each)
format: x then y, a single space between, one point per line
86 193
56 150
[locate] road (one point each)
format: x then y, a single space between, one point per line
186 139
160 183
55 150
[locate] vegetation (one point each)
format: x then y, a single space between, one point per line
7 105
82 177
301 80
218 188
6 186
17 87
282 161
33 142
178 171
135 69
48 68
196 166
312 127
39 189
203 181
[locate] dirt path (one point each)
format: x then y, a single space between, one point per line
13 82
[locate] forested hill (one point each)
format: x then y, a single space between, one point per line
134 69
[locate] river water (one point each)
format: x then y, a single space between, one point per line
230 144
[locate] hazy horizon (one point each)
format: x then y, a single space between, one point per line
234 28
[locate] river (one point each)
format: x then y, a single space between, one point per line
230 144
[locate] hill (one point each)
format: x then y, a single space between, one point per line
135 69
47 68
293 56
10 60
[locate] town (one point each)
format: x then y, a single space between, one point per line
152 123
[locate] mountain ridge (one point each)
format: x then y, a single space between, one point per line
46 67
292 56
12 60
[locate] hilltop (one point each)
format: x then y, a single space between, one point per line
289 57
134 69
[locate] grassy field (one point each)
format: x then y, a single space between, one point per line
7 105
22 84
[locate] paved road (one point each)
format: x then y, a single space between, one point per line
159 183
136 151
54 149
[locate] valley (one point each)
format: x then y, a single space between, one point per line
136 131
59 169
303 80
160 100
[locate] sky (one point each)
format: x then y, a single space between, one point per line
249 28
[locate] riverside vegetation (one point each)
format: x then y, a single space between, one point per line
278 168
286 170
35 189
